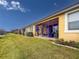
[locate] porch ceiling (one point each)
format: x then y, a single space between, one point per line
53 21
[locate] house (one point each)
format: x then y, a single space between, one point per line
29 28
18 31
62 25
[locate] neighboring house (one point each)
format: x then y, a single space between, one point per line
18 31
62 25
30 28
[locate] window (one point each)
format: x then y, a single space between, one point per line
72 21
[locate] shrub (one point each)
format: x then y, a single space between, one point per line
60 41
77 45
30 34
68 43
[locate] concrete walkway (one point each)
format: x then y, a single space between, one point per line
65 46
46 38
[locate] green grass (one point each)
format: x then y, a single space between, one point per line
14 46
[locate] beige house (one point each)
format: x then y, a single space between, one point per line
29 28
62 25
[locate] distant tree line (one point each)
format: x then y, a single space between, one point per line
2 32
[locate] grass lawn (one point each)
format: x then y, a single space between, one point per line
14 46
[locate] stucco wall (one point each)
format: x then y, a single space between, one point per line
28 29
34 30
66 35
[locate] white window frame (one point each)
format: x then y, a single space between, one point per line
66 21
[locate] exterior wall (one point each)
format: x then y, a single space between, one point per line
30 29
34 30
67 36
61 26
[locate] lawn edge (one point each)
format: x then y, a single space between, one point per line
65 46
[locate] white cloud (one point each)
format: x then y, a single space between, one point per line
16 6
4 3
55 4
13 5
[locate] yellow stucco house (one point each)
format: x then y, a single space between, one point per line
62 25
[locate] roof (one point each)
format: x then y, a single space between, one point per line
72 6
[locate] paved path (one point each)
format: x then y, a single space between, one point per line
65 46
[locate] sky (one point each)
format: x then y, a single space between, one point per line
15 14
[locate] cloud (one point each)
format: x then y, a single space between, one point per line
13 5
55 4
4 3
